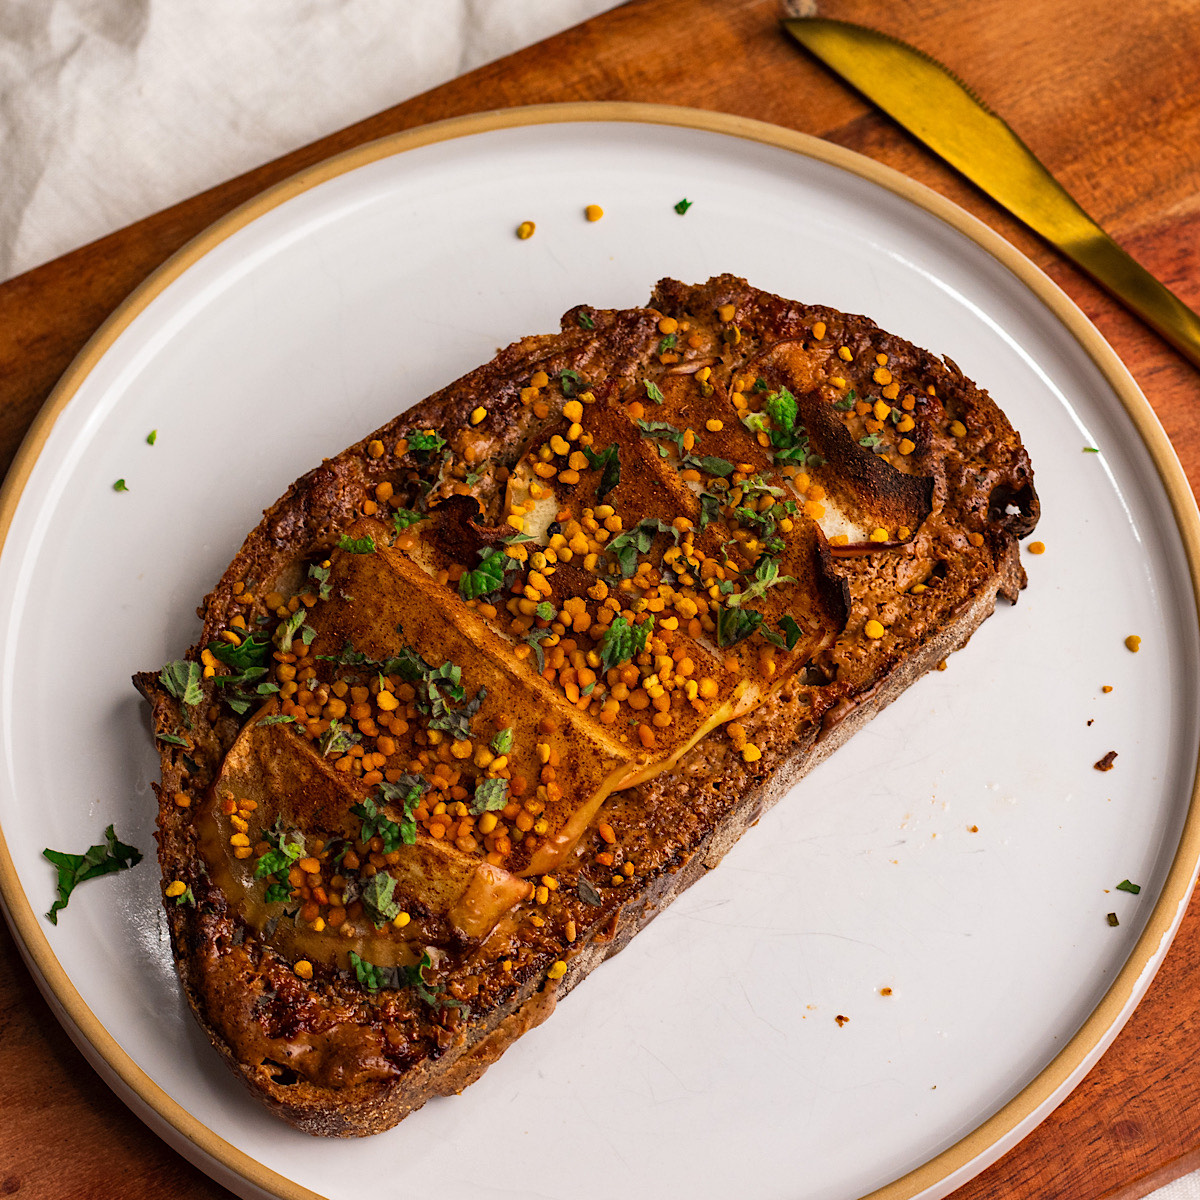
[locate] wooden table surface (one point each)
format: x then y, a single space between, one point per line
1104 92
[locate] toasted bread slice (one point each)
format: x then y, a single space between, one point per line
481 694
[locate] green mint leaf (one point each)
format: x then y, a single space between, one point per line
683 206
661 429
362 545
106 858
586 321
1131 888
760 385
735 624
488 577
766 575
609 465
791 631
652 391
174 739
425 444
402 518
756 422
286 631
667 344
546 611
182 680
379 898
491 795
534 639
623 642
152 437
781 407
120 486
277 719
252 653
570 382
502 743
187 896
710 465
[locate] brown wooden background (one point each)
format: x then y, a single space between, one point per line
1107 93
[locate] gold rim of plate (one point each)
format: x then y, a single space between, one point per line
1096 1029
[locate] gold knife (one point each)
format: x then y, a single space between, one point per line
936 107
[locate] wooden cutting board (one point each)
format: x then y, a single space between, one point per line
1102 90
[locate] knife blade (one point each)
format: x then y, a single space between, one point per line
936 107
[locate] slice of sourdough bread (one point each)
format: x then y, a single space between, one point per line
483 693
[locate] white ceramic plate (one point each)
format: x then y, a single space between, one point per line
961 851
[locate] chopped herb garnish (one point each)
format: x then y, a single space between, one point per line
185 897
337 739
638 540
761 385
710 508
847 401
735 624
379 898
652 391
404 793
402 518
362 545
502 743
182 680
872 442
1112 920
378 824
791 631
174 740
321 575
709 464
756 422
425 444
533 639
1131 888
277 719
274 865
586 321
608 463
588 894
375 978
1091 450
152 437
667 344
491 795
546 611
488 577
570 382
120 486
106 858
683 206
252 652
623 642
766 575
286 632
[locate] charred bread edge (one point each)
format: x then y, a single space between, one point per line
993 1136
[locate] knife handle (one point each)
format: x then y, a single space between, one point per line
1132 284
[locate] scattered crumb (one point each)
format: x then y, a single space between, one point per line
942 665
1106 763
1037 547
1091 722
1133 643
885 991
1106 688
1112 918
841 1020
972 828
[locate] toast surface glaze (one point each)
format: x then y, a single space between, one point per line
483 693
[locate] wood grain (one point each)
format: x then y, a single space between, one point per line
1087 84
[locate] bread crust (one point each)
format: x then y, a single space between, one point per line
335 1060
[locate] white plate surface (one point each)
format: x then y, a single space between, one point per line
961 850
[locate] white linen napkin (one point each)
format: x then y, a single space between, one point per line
113 109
